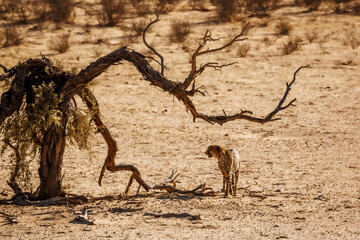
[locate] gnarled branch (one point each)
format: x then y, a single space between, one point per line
243 114
194 72
109 164
151 48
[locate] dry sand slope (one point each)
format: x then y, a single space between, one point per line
300 176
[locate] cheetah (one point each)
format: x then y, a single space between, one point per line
229 164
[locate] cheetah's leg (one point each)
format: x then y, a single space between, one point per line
224 184
231 182
236 181
227 185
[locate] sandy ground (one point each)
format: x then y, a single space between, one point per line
300 176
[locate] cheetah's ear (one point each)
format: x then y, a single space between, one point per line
218 148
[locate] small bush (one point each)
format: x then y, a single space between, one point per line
138 27
352 41
16 11
312 4
165 6
282 28
5 9
112 12
311 36
267 41
98 51
142 7
346 6
179 31
60 11
243 49
227 10
197 5
264 22
61 45
259 7
356 9
291 46
10 36
23 11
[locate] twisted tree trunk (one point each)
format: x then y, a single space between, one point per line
51 160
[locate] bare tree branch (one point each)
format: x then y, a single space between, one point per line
194 72
244 114
4 68
200 190
151 48
109 164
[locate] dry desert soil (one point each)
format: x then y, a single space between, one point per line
299 176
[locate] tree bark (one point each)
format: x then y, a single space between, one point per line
51 159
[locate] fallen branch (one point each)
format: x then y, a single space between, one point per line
200 190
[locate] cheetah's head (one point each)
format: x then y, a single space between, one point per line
213 151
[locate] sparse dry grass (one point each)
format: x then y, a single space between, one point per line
61 44
142 7
197 5
311 36
227 10
282 28
259 7
312 4
61 11
291 46
112 12
165 6
179 31
138 27
243 49
352 40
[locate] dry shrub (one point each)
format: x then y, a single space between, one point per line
352 40
98 51
142 7
346 6
311 36
16 11
312 4
243 49
22 11
42 10
10 36
282 28
5 8
267 41
165 6
197 5
356 9
263 22
60 11
259 7
61 45
291 46
227 10
179 31
112 12
138 27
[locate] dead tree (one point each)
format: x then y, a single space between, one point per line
51 140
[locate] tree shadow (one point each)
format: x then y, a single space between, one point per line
125 210
174 215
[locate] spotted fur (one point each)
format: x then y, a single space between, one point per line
229 165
